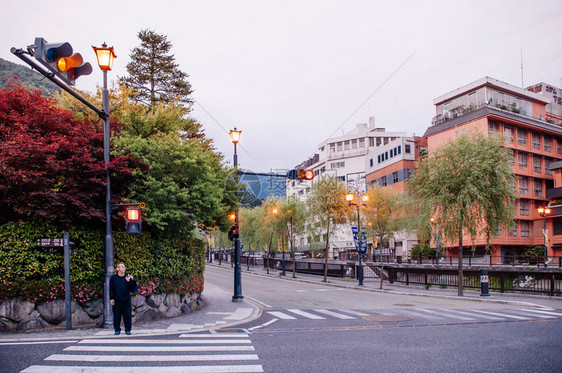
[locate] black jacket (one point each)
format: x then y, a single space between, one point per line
120 289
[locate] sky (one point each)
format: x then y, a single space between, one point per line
292 73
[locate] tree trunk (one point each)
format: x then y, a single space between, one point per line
326 252
461 274
268 253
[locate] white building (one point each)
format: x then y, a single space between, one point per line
346 157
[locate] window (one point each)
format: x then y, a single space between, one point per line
383 181
536 141
524 207
547 169
547 143
379 158
537 163
508 134
559 145
407 148
511 157
521 137
538 188
340 146
523 161
399 149
391 153
385 140
493 127
395 177
525 229
337 165
385 156
346 145
371 162
354 144
332 147
512 231
362 142
379 141
371 141
523 186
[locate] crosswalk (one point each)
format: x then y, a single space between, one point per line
425 314
205 353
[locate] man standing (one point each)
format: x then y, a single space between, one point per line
121 286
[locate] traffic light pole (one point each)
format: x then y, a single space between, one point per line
104 115
237 297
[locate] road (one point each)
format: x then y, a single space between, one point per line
315 327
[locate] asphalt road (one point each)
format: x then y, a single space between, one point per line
308 327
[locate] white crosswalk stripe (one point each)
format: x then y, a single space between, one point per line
335 314
308 315
189 353
281 315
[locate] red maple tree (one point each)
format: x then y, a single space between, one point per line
51 164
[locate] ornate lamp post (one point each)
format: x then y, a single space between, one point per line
235 137
349 197
105 56
544 211
437 243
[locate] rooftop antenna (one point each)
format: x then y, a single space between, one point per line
522 85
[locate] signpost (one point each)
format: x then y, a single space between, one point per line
65 243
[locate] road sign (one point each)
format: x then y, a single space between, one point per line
50 242
363 239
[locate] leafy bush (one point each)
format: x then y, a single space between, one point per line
173 264
422 249
532 254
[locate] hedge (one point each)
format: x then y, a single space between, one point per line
170 265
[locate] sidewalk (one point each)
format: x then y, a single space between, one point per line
373 284
218 312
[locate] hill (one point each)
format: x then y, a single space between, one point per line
27 77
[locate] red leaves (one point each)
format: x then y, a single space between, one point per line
51 164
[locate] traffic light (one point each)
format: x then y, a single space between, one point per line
300 174
233 233
59 59
133 220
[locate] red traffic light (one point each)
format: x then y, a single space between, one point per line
301 174
133 214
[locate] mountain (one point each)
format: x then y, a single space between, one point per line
26 76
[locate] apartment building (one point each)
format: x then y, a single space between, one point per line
529 120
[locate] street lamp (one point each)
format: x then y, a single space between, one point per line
237 297
349 197
437 243
544 211
105 56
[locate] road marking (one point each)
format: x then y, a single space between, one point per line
354 312
501 315
260 302
474 313
334 314
443 313
150 358
240 314
546 314
159 348
306 314
34 343
142 369
264 324
164 341
281 315
220 335
422 314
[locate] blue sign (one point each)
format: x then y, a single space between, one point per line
363 239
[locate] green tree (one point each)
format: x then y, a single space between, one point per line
154 75
327 206
468 186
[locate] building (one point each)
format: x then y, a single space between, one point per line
529 120
347 157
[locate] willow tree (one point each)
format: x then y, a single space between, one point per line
327 206
467 185
382 216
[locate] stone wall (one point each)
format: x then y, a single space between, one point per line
22 315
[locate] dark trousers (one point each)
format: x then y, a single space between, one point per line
122 308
